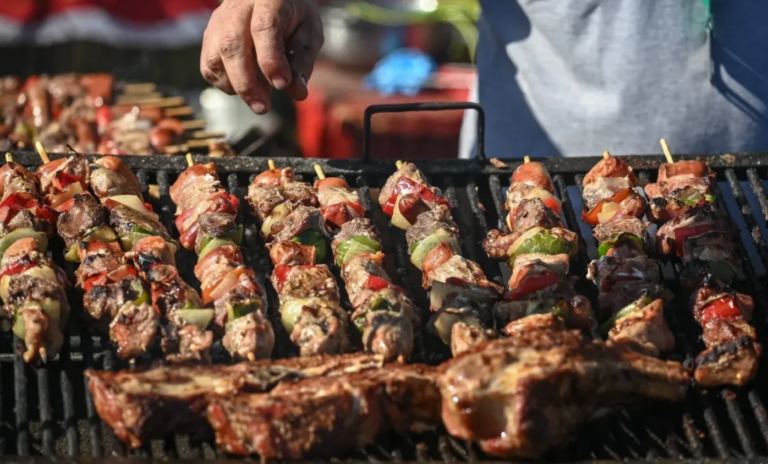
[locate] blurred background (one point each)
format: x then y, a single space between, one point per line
123 77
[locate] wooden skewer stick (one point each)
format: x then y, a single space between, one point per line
667 153
271 164
606 154
319 171
8 158
399 164
42 153
190 161
526 159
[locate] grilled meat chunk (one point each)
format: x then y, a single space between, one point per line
603 189
681 187
521 397
134 329
15 178
348 412
387 319
332 195
125 220
359 270
86 215
622 280
438 217
546 322
306 282
497 244
533 174
360 227
695 222
108 183
144 405
647 328
301 219
264 200
610 167
560 299
186 343
102 302
319 327
249 337
612 230
213 225
408 170
533 213
292 254
461 323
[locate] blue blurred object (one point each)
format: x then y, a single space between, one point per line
403 71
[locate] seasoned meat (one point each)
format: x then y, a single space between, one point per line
102 302
15 178
43 337
249 337
301 219
213 225
533 174
134 329
462 322
438 217
387 319
517 193
190 176
76 165
603 189
615 274
86 215
274 177
733 362
613 301
108 183
186 343
611 230
408 170
307 282
532 213
96 259
360 227
546 322
25 219
144 405
320 328
464 270
115 164
219 262
264 200
125 219
521 397
292 254
610 167
172 294
694 222
533 264
333 195
357 272
497 243
560 299
647 328
347 412
245 296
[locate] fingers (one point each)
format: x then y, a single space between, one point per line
269 28
227 60
303 47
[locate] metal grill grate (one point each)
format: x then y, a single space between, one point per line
49 412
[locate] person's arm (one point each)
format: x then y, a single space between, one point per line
286 36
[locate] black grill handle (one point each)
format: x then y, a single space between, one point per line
426 106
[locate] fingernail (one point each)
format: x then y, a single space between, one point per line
303 81
279 83
258 107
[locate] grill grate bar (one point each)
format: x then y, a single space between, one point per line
494 183
68 399
94 422
748 214
737 417
760 414
756 184
20 384
44 408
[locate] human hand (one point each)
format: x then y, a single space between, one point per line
285 35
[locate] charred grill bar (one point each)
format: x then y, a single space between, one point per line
48 412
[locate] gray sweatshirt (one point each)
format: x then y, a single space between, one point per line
577 77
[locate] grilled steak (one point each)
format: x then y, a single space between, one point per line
86 214
324 417
438 217
611 230
134 329
522 397
143 405
354 228
533 213
249 337
108 183
299 220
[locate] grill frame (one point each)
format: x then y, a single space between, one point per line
48 422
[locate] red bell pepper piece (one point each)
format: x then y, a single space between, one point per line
533 284
724 308
17 267
591 217
377 283
684 233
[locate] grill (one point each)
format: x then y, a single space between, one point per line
49 412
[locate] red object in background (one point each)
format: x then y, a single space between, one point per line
136 11
330 121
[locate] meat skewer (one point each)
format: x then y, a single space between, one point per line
31 285
704 241
460 295
538 250
207 224
382 312
151 249
631 296
114 296
295 233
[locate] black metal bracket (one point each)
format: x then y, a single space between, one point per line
426 106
